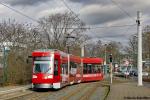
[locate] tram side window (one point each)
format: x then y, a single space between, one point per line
64 69
73 65
73 68
85 68
56 68
89 68
99 68
96 68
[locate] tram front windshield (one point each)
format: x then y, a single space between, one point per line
42 65
42 68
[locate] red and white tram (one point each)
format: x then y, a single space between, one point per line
55 69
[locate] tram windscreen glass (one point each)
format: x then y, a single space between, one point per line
42 58
42 68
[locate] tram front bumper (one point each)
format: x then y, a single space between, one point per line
45 86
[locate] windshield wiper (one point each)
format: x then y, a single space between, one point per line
47 70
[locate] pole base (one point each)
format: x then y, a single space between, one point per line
140 85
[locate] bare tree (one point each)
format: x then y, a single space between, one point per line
21 39
20 35
131 50
56 28
146 42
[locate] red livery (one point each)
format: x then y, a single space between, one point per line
55 69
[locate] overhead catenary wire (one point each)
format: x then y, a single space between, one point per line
101 26
115 26
68 7
95 27
123 10
17 11
117 35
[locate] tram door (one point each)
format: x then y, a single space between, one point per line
64 73
57 69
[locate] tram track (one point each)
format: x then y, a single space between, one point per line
89 92
69 95
49 94
82 93
34 95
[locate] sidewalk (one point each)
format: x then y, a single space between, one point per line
128 91
9 89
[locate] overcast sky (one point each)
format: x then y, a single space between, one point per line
92 12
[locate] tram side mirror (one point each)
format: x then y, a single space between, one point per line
28 60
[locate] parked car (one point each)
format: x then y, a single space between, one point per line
124 73
135 73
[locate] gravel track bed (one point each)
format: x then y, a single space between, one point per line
86 91
82 91
99 94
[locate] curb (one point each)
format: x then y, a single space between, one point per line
107 93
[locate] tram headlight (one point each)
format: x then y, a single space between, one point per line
49 76
34 76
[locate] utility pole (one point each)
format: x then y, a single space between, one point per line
82 56
139 31
105 67
111 75
105 55
68 48
82 51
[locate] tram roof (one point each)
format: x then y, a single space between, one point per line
93 60
47 51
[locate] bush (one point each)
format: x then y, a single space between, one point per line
18 71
